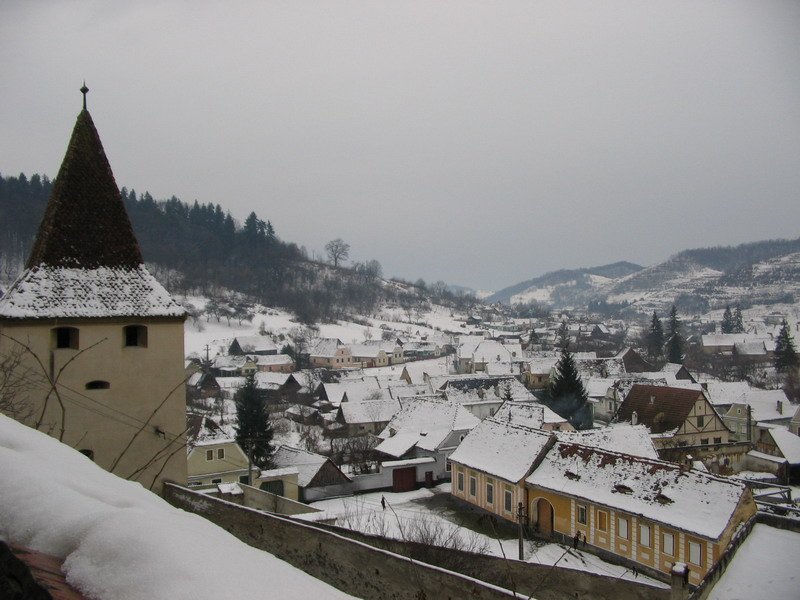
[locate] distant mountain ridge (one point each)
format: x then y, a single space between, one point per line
764 272
565 276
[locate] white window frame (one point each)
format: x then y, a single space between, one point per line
460 481
508 500
473 486
696 553
668 544
490 493
582 516
622 527
209 455
644 535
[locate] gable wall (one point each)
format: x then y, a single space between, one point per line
105 420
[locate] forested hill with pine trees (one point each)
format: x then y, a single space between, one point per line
200 247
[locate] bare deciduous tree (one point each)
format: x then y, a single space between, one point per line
338 250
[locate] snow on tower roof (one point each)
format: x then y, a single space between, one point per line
61 293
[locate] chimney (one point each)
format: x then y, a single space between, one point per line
634 418
780 407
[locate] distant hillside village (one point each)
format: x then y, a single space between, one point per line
496 451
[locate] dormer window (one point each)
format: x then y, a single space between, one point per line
136 335
65 337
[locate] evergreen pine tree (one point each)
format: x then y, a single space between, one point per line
566 394
675 343
738 321
254 429
727 320
786 359
562 335
655 339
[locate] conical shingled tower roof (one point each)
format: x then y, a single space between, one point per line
85 224
86 262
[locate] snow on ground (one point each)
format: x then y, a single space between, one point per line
218 335
120 541
434 510
764 568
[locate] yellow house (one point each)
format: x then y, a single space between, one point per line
98 338
211 462
212 457
491 463
649 511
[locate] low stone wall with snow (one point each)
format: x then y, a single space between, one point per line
374 567
353 567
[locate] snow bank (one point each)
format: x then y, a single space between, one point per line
120 541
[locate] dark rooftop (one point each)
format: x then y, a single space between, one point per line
85 224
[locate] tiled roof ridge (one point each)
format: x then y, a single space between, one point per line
519 426
85 224
651 461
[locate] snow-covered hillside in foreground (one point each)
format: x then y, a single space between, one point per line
121 542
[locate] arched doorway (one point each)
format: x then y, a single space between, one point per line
542 516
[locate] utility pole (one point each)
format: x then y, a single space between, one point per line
520 517
207 351
249 461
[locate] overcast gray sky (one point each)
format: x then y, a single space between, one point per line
481 143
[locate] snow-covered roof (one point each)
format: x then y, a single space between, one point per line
621 437
764 404
44 292
529 414
267 380
365 350
660 491
712 340
422 460
725 392
59 502
325 347
788 444
501 449
265 360
255 343
307 463
355 391
424 423
370 411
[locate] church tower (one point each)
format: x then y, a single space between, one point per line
98 339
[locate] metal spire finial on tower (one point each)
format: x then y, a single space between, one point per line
84 90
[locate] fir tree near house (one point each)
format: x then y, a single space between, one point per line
786 359
254 429
655 338
675 342
566 395
727 320
738 321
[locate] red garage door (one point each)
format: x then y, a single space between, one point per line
404 480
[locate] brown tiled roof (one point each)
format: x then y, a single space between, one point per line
661 408
85 224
